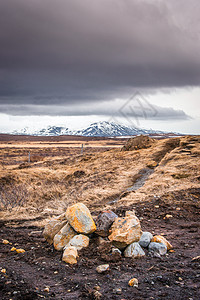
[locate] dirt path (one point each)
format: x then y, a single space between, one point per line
174 276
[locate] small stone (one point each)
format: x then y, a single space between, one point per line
46 289
116 251
70 254
3 271
53 227
168 217
97 295
79 241
79 217
161 239
156 206
101 241
145 239
197 258
5 242
102 268
117 291
125 230
134 250
104 222
62 238
180 279
133 282
178 208
20 250
13 249
97 287
56 272
157 248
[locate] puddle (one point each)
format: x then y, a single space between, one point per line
144 175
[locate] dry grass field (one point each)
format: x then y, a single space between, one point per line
59 174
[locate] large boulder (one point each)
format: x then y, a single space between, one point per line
134 250
79 217
53 226
104 222
62 238
79 241
70 255
125 230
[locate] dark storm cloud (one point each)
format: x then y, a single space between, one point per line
68 52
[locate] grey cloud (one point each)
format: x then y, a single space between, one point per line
133 110
74 51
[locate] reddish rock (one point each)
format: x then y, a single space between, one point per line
104 222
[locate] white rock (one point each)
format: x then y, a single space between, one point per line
134 250
62 238
79 241
102 268
145 239
70 255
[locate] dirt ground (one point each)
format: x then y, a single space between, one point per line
173 276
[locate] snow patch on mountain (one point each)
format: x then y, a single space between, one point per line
98 129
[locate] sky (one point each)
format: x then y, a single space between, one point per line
74 62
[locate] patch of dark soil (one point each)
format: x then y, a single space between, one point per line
139 142
7 180
168 146
40 273
79 173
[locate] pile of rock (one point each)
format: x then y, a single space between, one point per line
73 230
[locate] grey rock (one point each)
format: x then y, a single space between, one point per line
116 251
157 249
145 239
117 291
134 250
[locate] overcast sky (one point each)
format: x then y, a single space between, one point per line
73 61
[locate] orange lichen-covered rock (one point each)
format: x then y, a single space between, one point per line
62 238
161 239
52 227
20 250
125 231
79 217
133 282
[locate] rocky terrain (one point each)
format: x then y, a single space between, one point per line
158 179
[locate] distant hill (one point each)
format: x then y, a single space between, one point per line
98 129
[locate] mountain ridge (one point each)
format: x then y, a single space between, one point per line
97 129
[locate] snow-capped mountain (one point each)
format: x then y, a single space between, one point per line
109 129
98 129
48 131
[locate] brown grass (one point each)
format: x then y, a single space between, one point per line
60 177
